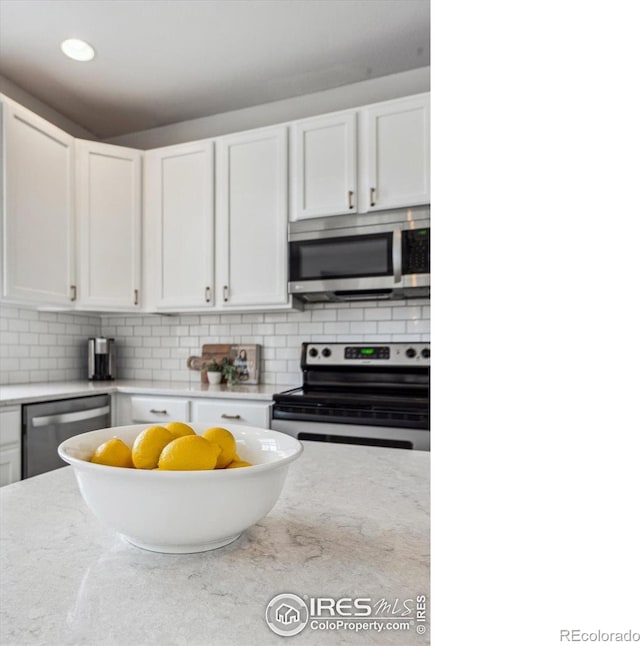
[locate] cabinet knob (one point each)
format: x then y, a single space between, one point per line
207 294
373 196
135 297
350 199
225 293
74 292
225 416
158 412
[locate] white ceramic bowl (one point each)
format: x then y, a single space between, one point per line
183 511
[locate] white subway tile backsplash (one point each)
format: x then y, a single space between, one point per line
324 315
351 314
391 327
363 328
44 346
336 328
51 346
378 314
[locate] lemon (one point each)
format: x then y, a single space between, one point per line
189 453
227 443
113 453
148 446
179 429
236 464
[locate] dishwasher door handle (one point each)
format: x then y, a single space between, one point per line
67 418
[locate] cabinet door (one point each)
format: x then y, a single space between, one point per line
38 261
323 166
179 220
252 241
109 211
396 150
10 446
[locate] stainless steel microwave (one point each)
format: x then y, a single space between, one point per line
383 255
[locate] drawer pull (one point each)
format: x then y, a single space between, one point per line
225 416
158 412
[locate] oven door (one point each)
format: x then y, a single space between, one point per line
346 261
400 438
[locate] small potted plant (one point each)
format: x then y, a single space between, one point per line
214 370
229 372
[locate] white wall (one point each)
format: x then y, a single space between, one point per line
30 102
341 98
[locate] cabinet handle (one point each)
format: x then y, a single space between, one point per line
158 412
135 296
74 292
350 199
225 293
207 294
373 196
225 416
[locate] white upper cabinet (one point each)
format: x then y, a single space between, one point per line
178 225
323 166
252 219
395 154
38 248
109 212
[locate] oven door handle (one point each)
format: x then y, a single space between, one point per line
396 255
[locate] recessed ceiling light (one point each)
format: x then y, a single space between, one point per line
77 49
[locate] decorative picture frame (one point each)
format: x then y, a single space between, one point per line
246 358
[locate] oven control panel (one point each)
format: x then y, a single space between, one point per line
363 354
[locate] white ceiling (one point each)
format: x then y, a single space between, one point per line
164 61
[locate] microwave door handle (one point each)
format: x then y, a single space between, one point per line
396 255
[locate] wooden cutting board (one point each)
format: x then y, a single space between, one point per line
217 351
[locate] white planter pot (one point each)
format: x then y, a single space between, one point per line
214 377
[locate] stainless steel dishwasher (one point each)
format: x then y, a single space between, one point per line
46 425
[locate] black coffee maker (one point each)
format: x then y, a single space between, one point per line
101 359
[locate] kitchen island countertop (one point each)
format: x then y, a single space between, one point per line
38 392
352 521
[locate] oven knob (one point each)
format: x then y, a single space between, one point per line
410 353
313 352
326 352
426 353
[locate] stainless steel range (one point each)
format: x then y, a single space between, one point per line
360 393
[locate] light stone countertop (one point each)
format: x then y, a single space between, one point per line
38 392
352 521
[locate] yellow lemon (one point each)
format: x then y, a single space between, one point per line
236 464
189 453
148 446
227 443
179 429
113 453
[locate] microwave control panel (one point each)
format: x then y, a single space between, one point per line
415 251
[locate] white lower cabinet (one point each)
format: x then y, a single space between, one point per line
140 409
10 446
232 411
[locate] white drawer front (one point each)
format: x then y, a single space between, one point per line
159 409
233 412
